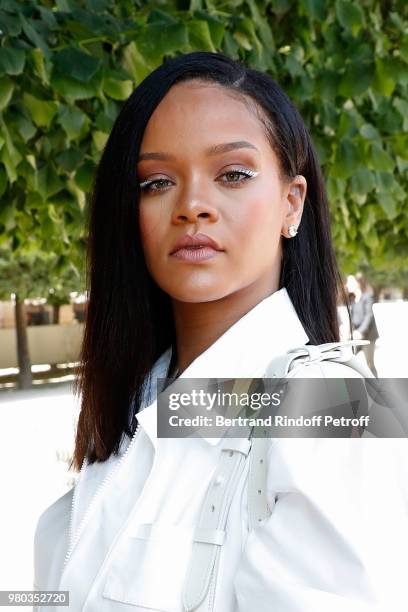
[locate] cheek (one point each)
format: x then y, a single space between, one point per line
144 225
258 221
151 225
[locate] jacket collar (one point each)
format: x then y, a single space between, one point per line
270 328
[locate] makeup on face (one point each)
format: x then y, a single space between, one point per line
206 168
233 174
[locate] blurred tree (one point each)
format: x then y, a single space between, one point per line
47 276
66 66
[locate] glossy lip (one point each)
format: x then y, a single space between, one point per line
195 240
195 255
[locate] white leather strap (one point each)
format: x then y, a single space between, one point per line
258 508
150 531
209 535
241 445
213 518
280 366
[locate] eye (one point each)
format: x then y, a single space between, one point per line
236 174
155 185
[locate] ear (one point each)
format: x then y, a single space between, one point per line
294 199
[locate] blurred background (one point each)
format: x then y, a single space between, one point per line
66 67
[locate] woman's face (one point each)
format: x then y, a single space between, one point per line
191 183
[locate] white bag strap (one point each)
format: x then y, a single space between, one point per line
210 531
282 367
258 508
209 535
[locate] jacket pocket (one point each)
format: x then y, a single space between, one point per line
149 566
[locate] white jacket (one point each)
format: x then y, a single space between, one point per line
337 538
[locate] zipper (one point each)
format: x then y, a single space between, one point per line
73 503
73 541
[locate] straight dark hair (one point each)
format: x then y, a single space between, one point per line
129 320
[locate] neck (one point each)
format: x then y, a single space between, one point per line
199 325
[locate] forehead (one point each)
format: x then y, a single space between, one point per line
196 114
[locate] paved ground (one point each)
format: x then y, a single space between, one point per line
36 426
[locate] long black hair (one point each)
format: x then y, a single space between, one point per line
129 319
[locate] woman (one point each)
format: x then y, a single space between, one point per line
210 254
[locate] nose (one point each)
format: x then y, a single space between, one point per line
191 208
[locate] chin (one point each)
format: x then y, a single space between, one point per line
196 294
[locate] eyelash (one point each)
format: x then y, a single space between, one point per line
247 174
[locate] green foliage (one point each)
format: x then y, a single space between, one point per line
50 276
67 66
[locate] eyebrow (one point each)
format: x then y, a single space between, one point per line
214 150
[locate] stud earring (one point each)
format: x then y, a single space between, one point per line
292 231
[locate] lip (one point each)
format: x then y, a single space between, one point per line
195 240
195 255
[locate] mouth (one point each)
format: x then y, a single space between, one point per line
195 253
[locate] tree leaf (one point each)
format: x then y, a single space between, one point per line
85 175
400 145
230 46
315 8
73 62
6 91
157 40
362 181
356 79
280 7
118 90
3 181
161 17
40 67
215 25
404 48
369 132
10 24
243 40
350 16
200 36
11 60
10 155
53 215
388 204
371 239
379 159
34 36
72 89
42 111
71 159
74 121
402 107
384 81
346 160
47 182
48 17
8 215
134 63
99 139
